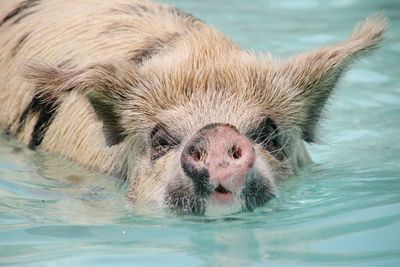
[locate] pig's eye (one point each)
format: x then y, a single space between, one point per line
161 142
267 135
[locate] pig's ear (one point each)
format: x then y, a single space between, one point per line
104 85
315 74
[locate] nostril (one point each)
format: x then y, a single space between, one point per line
196 155
235 152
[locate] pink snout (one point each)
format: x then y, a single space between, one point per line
220 155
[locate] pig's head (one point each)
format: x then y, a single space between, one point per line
206 124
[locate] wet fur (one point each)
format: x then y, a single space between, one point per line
92 79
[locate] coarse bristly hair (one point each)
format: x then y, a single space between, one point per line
121 86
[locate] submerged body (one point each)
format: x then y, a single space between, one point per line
153 95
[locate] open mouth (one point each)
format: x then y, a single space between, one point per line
221 189
222 195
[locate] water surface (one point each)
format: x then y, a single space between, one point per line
344 210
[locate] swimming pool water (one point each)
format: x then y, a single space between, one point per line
343 210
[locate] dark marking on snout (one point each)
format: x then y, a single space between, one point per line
199 174
181 198
153 46
200 178
192 159
46 110
257 192
20 12
20 43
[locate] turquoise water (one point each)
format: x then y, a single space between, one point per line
344 210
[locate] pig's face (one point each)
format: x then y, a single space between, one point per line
204 124
218 143
218 131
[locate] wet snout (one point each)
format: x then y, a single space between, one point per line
218 154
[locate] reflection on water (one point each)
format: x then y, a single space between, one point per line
342 210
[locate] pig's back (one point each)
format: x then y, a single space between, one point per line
85 31
75 34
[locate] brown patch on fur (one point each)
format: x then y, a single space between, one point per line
142 10
152 46
46 116
115 28
105 85
181 13
21 11
23 16
46 110
19 44
66 64
138 10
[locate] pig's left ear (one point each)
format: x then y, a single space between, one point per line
315 74
106 86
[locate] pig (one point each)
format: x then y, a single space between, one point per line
153 95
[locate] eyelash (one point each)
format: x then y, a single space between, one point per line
266 135
161 142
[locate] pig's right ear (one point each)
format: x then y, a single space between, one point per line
104 85
315 74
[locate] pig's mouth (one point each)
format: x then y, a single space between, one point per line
220 189
196 199
221 196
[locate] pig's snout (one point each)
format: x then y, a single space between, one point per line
220 155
